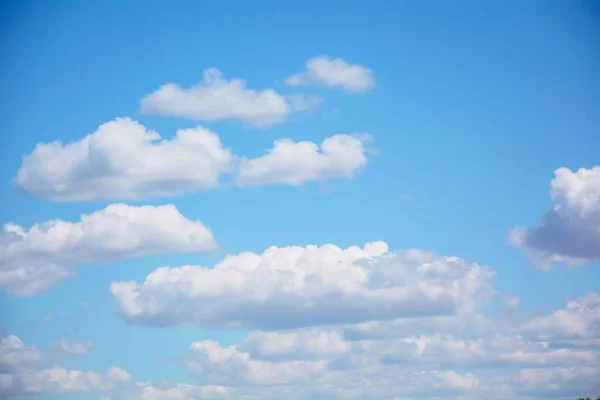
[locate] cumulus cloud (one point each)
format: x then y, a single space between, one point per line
228 366
334 73
15 356
570 231
123 160
320 362
34 260
26 371
297 345
534 361
53 381
296 286
217 98
294 163
579 319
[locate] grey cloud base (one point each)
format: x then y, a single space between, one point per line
570 231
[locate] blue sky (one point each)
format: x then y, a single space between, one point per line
471 109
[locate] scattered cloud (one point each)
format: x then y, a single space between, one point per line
15 356
301 102
310 344
570 231
579 319
34 260
404 197
27 372
123 160
535 360
295 163
74 347
334 73
217 98
295 286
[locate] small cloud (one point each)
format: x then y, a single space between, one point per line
301 102
404 197
334 73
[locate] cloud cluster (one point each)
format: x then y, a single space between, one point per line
295 163
217 98
334 73
494 366
34 260
570 231
535 361
296 286
26 371
123 160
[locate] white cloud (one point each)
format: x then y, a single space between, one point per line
123 160
579 319
301 102
75 347
217 98
52 381
299 345
35 260
320 363
561 382
15 356
294 163
570 231
26 371
334 73
214 364
295 287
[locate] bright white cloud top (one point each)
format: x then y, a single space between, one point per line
294 163
217 98
570 231
123 160
34 260
294 286
334 73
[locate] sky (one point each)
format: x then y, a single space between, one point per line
297 200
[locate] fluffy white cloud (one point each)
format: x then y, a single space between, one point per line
35 260
570 231
495 351
334 73
217 98
52 381
228 366
295 287
579 319
303 345
15 356
123 160
25 371
294 163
